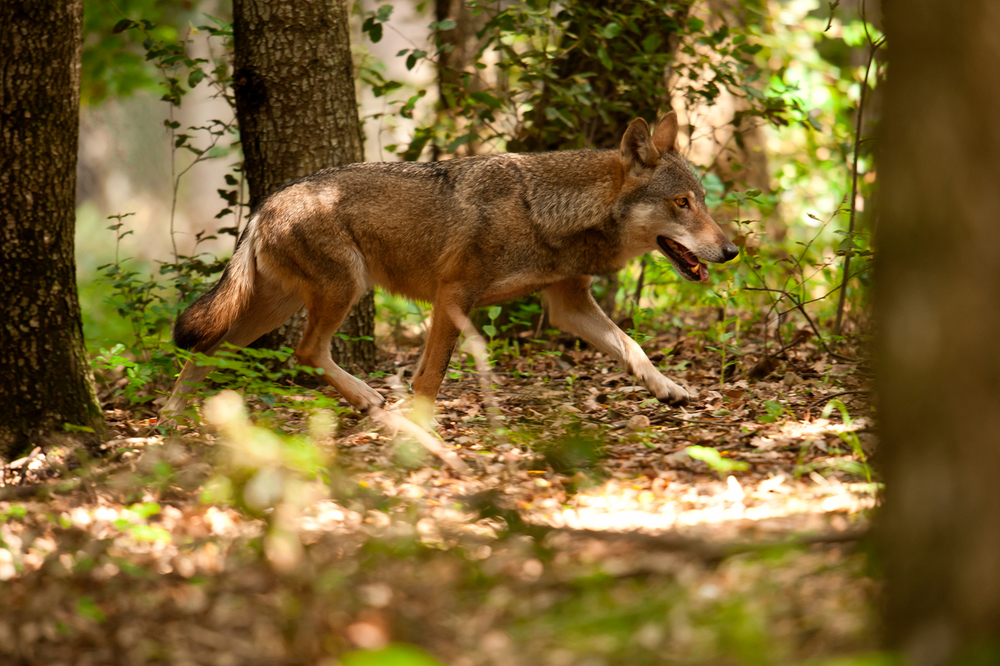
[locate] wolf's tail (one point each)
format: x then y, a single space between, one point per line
207 321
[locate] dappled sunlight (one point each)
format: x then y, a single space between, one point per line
731 509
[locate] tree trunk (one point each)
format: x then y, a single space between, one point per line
938 301
45 378
297 110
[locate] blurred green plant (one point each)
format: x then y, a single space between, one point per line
267 475
714 460
397 654
857 465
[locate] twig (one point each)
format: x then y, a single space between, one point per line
477 347
873 48
660 418
399 422
833 7
833 396
812 324
714 551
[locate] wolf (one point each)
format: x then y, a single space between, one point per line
459 234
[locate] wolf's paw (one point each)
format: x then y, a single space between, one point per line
668 392
365 398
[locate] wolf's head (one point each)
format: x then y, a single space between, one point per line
662 203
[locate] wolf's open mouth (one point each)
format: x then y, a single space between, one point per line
683 259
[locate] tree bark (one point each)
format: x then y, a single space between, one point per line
298 113
938 303
45 378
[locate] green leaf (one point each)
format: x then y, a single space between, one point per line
86 608
150 533
146 509
69 427
652 42
441 26
611 30
494 312
122 26
460 141
398 654
714 459
373 29
487 99
602 55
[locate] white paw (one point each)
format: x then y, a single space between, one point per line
667 391
364 397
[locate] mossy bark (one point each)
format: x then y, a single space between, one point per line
45 378
298 113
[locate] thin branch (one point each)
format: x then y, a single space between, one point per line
832 396
873 48
812 324
715 550
397 421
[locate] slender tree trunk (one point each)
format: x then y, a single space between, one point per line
298 113
938 302
45 378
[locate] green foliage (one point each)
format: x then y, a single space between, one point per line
112 65
149 305
397 654
775 410
569 75
136 523
714 459
850 437
857 465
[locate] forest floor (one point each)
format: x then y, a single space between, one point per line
573 527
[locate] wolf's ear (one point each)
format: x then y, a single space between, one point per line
638 151
665 135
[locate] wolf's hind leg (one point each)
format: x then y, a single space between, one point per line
573 309
451 307
326 313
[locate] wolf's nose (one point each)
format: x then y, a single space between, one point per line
729 251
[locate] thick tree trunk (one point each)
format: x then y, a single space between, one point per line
938 301
298 113
45 378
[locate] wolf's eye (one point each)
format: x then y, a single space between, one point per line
681 201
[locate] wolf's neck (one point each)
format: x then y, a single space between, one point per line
574 188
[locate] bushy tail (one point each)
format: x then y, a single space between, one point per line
205 323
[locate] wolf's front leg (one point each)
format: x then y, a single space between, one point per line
573 309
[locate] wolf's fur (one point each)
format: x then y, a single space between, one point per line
461 233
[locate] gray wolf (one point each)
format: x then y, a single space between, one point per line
459 234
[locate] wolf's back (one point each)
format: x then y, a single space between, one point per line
207 320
